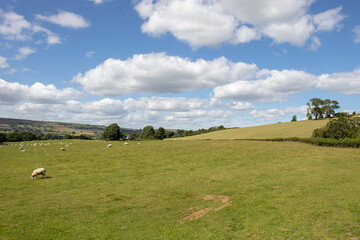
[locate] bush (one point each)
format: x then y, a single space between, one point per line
339 128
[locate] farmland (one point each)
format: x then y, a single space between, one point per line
54 128
300 129
192 189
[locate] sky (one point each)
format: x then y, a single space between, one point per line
177 64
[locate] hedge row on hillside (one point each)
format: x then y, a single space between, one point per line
329 142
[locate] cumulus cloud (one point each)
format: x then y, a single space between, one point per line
14 26
343 82
211 23
275 87
65 19
51 38
328 20
277 114
160 73
356 31
24 52
11 93
242 106
3 63
188 20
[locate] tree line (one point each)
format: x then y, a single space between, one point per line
113 132
23 136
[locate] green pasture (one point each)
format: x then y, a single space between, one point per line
231 189
300 129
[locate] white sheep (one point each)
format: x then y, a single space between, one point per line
62 149
126 143
39 171
110 145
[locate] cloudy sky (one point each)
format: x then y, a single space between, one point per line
186 64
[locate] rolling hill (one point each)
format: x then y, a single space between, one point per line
54 128
300 129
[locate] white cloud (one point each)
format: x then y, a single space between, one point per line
296 32
14 26
3 63
242 106
275 87
52 38
277 114
213 22
24 52
160 73
98 2
315 44
11 93
188 20
245 34
356 31
65 19
328 20
343 82
90 54
262 12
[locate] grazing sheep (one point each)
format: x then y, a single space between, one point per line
126 143
110 145
39 171
62 149
22 150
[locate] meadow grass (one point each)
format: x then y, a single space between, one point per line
300 129
180 190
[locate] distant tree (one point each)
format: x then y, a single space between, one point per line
314 108
294 119
318 108
148 132
113 132
2 137
169 134
329 107
221 127
160 133
14 137
134 136
27 136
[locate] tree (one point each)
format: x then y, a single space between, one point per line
341 127
113 132
318 108
160 133
148 132
314 108
134 136
294 119
2 137
27 136
14 137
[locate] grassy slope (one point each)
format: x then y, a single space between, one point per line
301 129
277 191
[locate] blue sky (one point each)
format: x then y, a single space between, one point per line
186 64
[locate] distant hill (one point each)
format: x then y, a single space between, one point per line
54 128
300 129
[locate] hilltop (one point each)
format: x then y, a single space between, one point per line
54 128
300 129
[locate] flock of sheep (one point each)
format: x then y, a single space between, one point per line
42 171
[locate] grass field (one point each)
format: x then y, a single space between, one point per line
180 190
300 129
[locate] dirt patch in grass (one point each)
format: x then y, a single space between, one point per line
199 213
